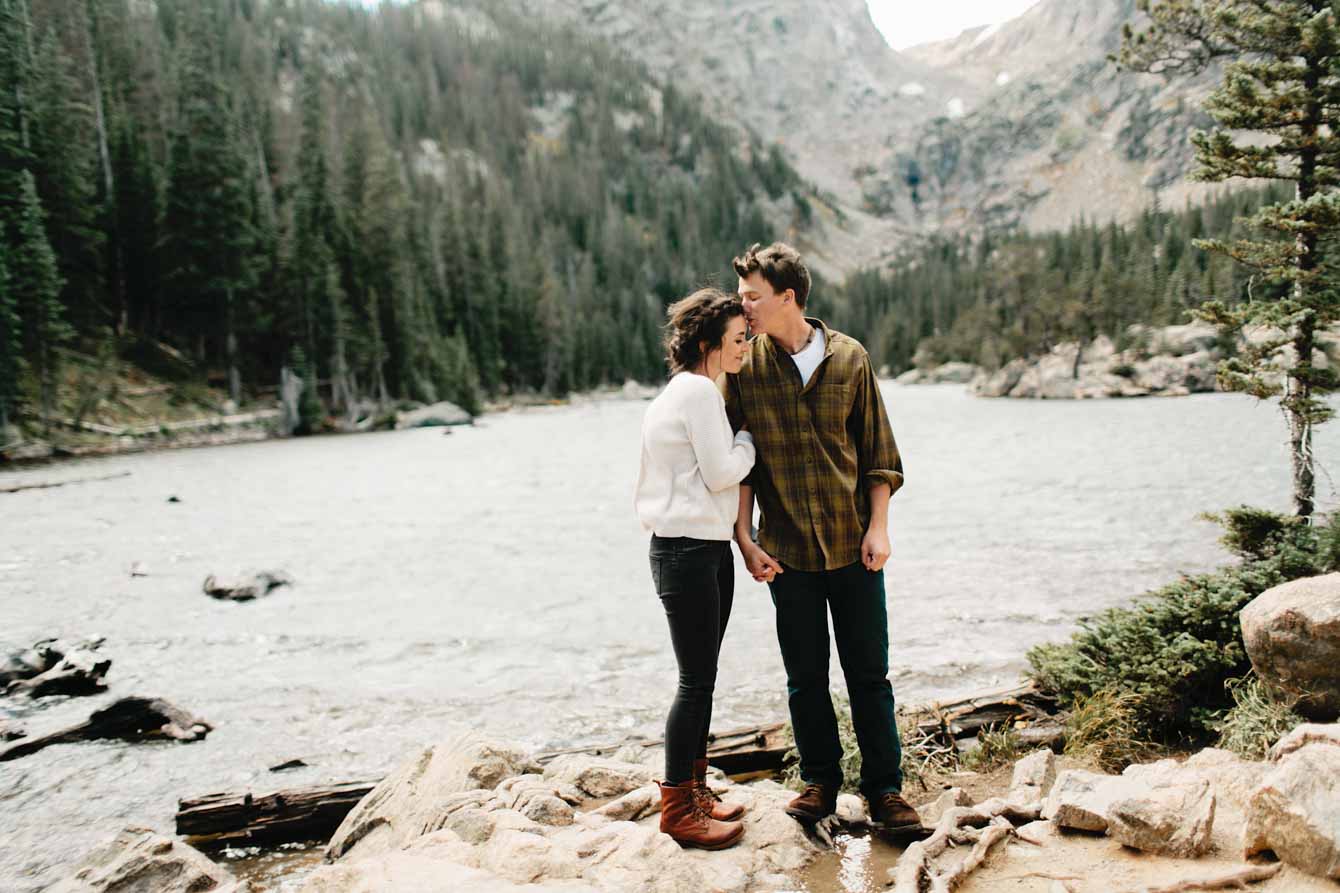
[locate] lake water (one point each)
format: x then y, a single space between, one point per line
496 578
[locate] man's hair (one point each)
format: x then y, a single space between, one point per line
781 267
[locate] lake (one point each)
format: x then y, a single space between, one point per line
496 578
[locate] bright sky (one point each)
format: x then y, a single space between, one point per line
906 23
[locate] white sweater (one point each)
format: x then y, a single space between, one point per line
689 483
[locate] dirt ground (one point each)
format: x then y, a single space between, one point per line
1067 861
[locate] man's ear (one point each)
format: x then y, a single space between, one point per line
789 295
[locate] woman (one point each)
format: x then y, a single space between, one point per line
688 496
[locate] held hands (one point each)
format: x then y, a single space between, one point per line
875 548
762 566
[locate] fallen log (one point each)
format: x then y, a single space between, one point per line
48 485
128 719
737 752
305 814
966 716
43 656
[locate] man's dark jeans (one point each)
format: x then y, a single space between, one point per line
855 597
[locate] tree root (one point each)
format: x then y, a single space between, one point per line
914 870
1250 874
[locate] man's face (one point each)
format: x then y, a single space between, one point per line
765 309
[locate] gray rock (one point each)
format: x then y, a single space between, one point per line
1081 799
416 798
597 776
1033 776
1001 382
1292 633
1295 812
440 414
1232 778
246 587
138 860
1168 821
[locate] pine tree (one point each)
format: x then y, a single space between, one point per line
11 346
15 76
36 283
1282 79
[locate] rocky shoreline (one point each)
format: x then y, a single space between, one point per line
1172 361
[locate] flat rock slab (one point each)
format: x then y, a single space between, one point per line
1292 633
1080 800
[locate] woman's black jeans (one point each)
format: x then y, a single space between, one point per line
696 582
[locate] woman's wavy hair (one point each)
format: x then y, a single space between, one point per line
701 317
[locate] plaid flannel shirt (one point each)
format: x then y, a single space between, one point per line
821 447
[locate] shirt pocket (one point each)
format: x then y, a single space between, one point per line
832 401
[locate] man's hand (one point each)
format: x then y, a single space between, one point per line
762 566
875 548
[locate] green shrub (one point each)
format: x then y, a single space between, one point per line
1256 721
1172 652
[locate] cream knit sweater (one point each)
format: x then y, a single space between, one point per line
689 482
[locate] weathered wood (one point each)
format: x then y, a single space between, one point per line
129 719
82 671
289 816
1237 879
47 485
965 717
752 749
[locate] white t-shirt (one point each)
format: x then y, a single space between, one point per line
689 481
808 359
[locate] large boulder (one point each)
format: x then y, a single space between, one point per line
1169 821
441 414
416 798
1001 382
1292 633
138 860
1295 812
1185 339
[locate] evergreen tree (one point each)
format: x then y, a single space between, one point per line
1282 80
36 284
11 346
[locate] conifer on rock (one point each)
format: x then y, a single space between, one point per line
1282 82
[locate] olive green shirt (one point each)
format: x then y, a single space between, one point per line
821 447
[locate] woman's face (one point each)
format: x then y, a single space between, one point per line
733 345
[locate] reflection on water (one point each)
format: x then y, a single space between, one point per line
497 578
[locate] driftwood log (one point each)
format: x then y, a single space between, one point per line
1023 706
55 667
47 485
129 719
299 814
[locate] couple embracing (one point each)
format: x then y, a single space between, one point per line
798 424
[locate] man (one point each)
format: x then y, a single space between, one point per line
827 465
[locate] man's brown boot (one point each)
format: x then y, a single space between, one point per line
892 813
690 826
817 801
707 799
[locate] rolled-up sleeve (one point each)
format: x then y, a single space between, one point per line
877 452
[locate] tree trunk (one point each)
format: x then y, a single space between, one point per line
230 348
1298 389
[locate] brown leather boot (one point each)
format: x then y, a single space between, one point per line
707 799
688 825
892 813
817 801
